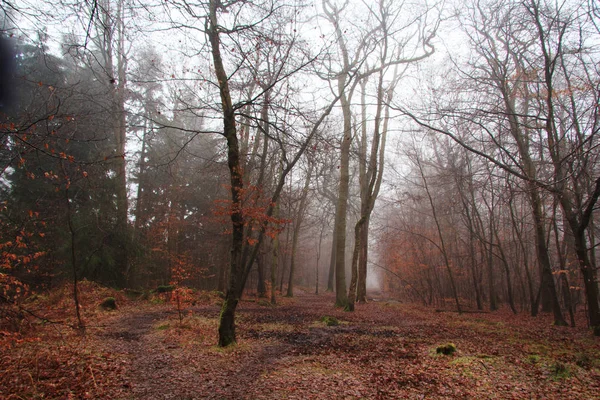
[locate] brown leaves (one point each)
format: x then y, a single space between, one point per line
383 350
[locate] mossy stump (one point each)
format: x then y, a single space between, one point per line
446 349
109 303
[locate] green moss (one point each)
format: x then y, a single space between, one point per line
163 327
109 303
560 370
446 349
533 358
264 303
135 294
223 308
157 300
164 289
467 360
330 321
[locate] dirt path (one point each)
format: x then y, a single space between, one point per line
160 368
383 350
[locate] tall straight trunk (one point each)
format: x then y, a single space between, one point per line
354 269
122 200
341 298
274 263
490 268
589 280
319 258
111 26
509 288
532 298
284 261
562 260
345 96
261 289
469 206
290 287
298 225
275 256
363 257
473 264
331 274
139 201
371 175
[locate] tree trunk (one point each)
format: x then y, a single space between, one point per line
331 274
297 226
227 319
361 290
261 289
442 246
341 298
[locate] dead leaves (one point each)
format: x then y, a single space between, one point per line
381 351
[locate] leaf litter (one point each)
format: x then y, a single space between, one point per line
382 350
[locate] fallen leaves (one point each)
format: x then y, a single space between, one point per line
380 351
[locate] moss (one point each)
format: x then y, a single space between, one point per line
157 300
164 289
533 358
467 360
223 308
133 294
330 321
560 370
446 349
264 303
109 303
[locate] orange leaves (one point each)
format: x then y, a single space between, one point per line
254 211
50 175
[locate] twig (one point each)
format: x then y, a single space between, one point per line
93 377
484 366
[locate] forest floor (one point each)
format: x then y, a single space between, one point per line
383 350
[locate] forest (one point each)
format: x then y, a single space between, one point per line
299 199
